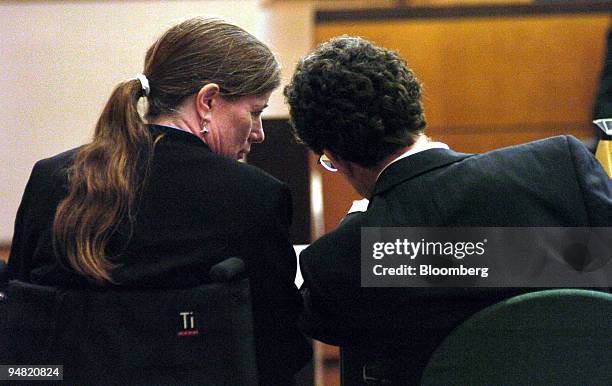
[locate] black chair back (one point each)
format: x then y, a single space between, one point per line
201 335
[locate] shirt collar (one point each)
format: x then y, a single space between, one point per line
422 144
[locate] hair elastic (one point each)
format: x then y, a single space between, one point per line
144 83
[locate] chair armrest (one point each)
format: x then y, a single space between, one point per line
230 269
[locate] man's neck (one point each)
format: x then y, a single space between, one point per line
367 177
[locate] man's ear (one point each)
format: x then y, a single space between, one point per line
204 99
344 167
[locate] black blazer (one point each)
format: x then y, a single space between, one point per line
197 209
552 182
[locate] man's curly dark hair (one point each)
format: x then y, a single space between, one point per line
357 100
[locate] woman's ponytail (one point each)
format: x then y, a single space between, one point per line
104 181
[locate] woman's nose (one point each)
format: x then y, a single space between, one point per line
257 134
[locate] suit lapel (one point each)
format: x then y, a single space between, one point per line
415 165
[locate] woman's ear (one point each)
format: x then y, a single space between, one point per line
204 99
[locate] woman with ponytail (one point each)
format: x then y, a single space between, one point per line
154 201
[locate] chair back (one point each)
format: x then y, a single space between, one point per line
550 337
201 335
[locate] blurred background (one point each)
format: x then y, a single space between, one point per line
495 73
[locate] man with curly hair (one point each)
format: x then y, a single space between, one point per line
359 106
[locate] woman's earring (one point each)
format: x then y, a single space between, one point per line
203 128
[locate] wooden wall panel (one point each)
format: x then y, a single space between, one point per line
5 249
489 82
496 71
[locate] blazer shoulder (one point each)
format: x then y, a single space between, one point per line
245 174
258 175
565 147
51 171
557 143
257 186
57 162
194 166
554 144
552 151
63 158
561 141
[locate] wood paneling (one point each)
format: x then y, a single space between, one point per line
459 9
604 155
488 82
491 71
5 249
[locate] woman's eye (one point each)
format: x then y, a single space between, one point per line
256 114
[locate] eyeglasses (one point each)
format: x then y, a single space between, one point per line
327 164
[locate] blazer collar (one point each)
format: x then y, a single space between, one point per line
415 165
177 135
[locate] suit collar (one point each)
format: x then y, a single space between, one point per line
415 165
177 135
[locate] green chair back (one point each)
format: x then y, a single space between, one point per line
551 337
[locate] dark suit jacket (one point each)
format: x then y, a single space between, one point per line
197 209
552 182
